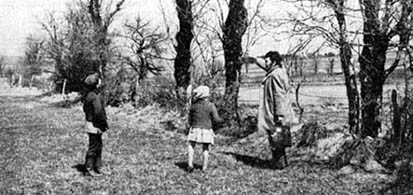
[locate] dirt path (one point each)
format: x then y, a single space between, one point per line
43 147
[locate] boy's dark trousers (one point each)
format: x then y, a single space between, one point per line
94 152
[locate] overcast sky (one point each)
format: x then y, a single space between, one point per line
18 18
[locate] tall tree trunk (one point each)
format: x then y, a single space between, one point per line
100 36
234 28
372 61
372 68
396 123
378 32
101 25
183 48
102 48
371 95
372 76
352 91
350 79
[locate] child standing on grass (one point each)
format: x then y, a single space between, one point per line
202 115
96 123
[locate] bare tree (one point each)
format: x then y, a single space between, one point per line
223 31
382 21
333 28
183 48
2 65
101 23
378 33
330 69
80 42
33 57
146 45
294 59
345 58
71 46
234 28
55 45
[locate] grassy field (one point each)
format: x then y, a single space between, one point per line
43 147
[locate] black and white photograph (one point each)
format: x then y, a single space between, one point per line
204 97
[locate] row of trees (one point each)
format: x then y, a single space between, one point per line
81 42
385 26
377 27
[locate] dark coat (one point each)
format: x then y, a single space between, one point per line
203 114
94 108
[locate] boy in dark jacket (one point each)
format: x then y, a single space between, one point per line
96 123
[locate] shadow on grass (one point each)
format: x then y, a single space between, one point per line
63 104
45 94
252 161
403 182
81 168
170 125
184 165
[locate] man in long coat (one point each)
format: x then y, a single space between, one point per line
275 109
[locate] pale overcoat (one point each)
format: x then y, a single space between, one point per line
275 100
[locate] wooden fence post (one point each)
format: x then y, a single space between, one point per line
64 87
297 95
396 136
31 82
20 81
407 120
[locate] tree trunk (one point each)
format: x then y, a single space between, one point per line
20 81
100 36
372 68
64 87
297 101
31 82
372 75
396 124
296 65
101 25
345 59
351 88
234 28
331 68
315 60
183 48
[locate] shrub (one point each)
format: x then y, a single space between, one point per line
402 184
396 152
120 86
160 90
310 133
8 73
